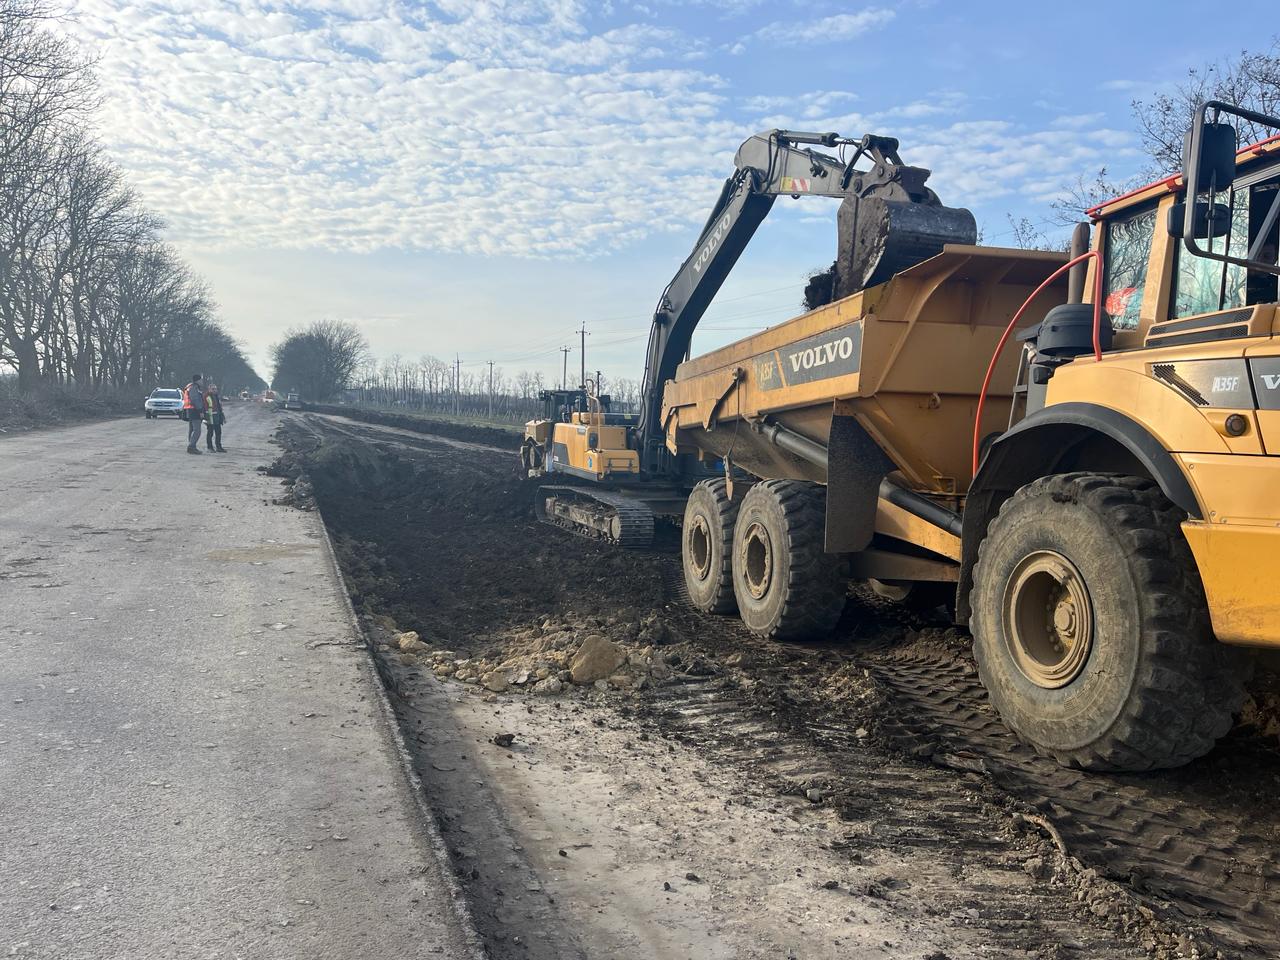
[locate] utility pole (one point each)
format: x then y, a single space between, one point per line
583 355
599 388
490 389
564 374
457 385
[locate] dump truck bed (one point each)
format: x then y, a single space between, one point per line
906 359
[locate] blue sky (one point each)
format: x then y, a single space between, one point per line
479 178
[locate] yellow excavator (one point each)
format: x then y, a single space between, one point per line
1081 450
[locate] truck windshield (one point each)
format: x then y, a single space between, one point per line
1128 251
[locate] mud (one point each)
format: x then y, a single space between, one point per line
472 433
882 733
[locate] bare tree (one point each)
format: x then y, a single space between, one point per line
1250 80
322 359
89 296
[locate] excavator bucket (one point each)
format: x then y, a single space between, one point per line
879 238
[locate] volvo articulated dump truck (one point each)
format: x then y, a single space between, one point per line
1080 451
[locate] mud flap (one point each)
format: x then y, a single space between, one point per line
855 467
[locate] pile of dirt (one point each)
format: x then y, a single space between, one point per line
451 550
549 659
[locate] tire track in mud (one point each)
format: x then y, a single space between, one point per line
976 878
1178 860
1217 872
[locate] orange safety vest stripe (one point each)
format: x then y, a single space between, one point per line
187 403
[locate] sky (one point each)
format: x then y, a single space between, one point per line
479 178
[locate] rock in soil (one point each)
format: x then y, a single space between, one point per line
596 659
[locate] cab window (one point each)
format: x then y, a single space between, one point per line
1202 285
1128 251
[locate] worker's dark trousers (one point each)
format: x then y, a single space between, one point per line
213 436
193 431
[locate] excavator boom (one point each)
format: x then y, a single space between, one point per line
888 221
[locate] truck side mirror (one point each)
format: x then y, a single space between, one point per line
1216 167
1211 220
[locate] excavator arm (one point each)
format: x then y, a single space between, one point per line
888 220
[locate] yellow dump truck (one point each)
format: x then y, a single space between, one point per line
1080 450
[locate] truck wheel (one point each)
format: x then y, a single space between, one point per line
787 586
1091 630
706 547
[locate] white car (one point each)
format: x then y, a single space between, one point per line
293 402
163 402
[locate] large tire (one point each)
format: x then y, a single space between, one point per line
706 547
787 586
1091 630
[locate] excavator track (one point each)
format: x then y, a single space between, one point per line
596 515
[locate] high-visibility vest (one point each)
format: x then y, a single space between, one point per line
187 402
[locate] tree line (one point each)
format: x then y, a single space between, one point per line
433 385
90 295
330 360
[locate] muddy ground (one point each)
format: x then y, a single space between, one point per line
713 795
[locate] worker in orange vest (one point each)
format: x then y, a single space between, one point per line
214 418
193 411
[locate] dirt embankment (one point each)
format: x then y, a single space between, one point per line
53 407
883 727
472 433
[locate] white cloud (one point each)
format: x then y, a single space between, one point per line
483 126
837 27
495 127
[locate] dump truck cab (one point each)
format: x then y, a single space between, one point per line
1188 394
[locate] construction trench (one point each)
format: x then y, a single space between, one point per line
716 795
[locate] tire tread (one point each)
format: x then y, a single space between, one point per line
816 586
1182 672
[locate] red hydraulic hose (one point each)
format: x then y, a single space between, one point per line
1097 336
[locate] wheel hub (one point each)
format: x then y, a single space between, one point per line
757 560
1048 619
700 548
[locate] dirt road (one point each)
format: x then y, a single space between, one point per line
720 796
194 759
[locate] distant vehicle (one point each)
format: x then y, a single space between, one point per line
292 402
268 396
244 394
163 402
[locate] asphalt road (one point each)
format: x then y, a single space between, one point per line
194 759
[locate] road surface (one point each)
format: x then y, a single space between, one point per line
194 759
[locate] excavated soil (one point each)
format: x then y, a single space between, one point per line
881 735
